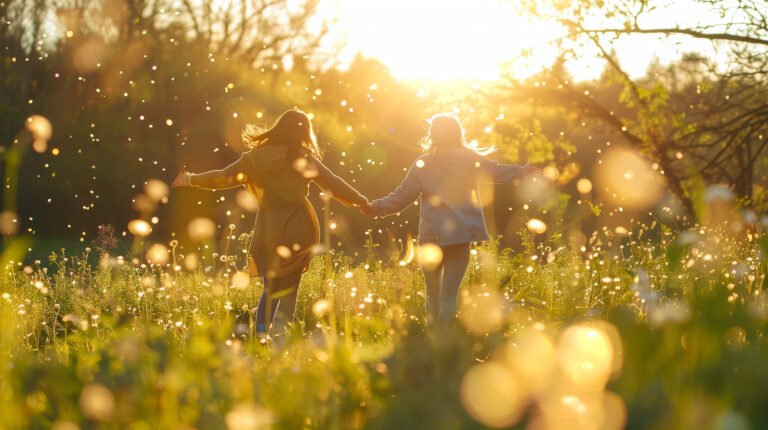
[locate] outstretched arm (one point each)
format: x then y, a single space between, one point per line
228 177
338 188
500 173
405 194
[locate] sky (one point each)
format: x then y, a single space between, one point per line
445 40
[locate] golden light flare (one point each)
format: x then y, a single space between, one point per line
551 173
241 280
156 189
157 254
191 261
430 256
433 52
321 307
565 409
9 223
482 313
247 416
307 169
536 225
41 131
283 251
200 229
585 355
247 201
144 204
89 54
627 179
614 412
492 395
409 251
139 227
584 185
64 425
97 403
531 354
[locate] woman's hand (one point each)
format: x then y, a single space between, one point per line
530 170
182 180
367 209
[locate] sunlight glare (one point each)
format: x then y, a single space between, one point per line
439 40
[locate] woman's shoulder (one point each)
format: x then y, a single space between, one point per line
422 159
266 156
450 157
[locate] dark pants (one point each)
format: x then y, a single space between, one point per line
444 281
278 303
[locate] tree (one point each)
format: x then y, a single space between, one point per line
132 80
697 119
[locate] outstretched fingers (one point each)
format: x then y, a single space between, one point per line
182 179
530 169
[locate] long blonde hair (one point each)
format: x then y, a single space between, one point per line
293 128
445 131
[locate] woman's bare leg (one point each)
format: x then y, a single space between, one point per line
261 311
286 293
455 261
433 280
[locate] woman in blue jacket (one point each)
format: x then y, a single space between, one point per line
445 179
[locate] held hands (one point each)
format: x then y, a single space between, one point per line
182 180
367 209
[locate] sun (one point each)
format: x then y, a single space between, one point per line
450 40
441 40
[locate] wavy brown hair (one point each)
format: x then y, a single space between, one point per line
445 131
293 128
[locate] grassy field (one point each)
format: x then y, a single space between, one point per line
653 328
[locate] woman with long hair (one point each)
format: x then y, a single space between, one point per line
283 159
445 179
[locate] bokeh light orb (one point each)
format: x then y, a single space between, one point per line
41 131
241 280
247 416
191 261
482 313
626 178
584 185
532 354
536 225
156 189
157 254
139 227
247 201
585 355
200 229
492 395
430 256
9 223
97 403
321 307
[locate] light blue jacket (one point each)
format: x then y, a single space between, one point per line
446 183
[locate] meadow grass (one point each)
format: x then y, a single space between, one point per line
651 328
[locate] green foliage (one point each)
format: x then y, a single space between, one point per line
170 349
